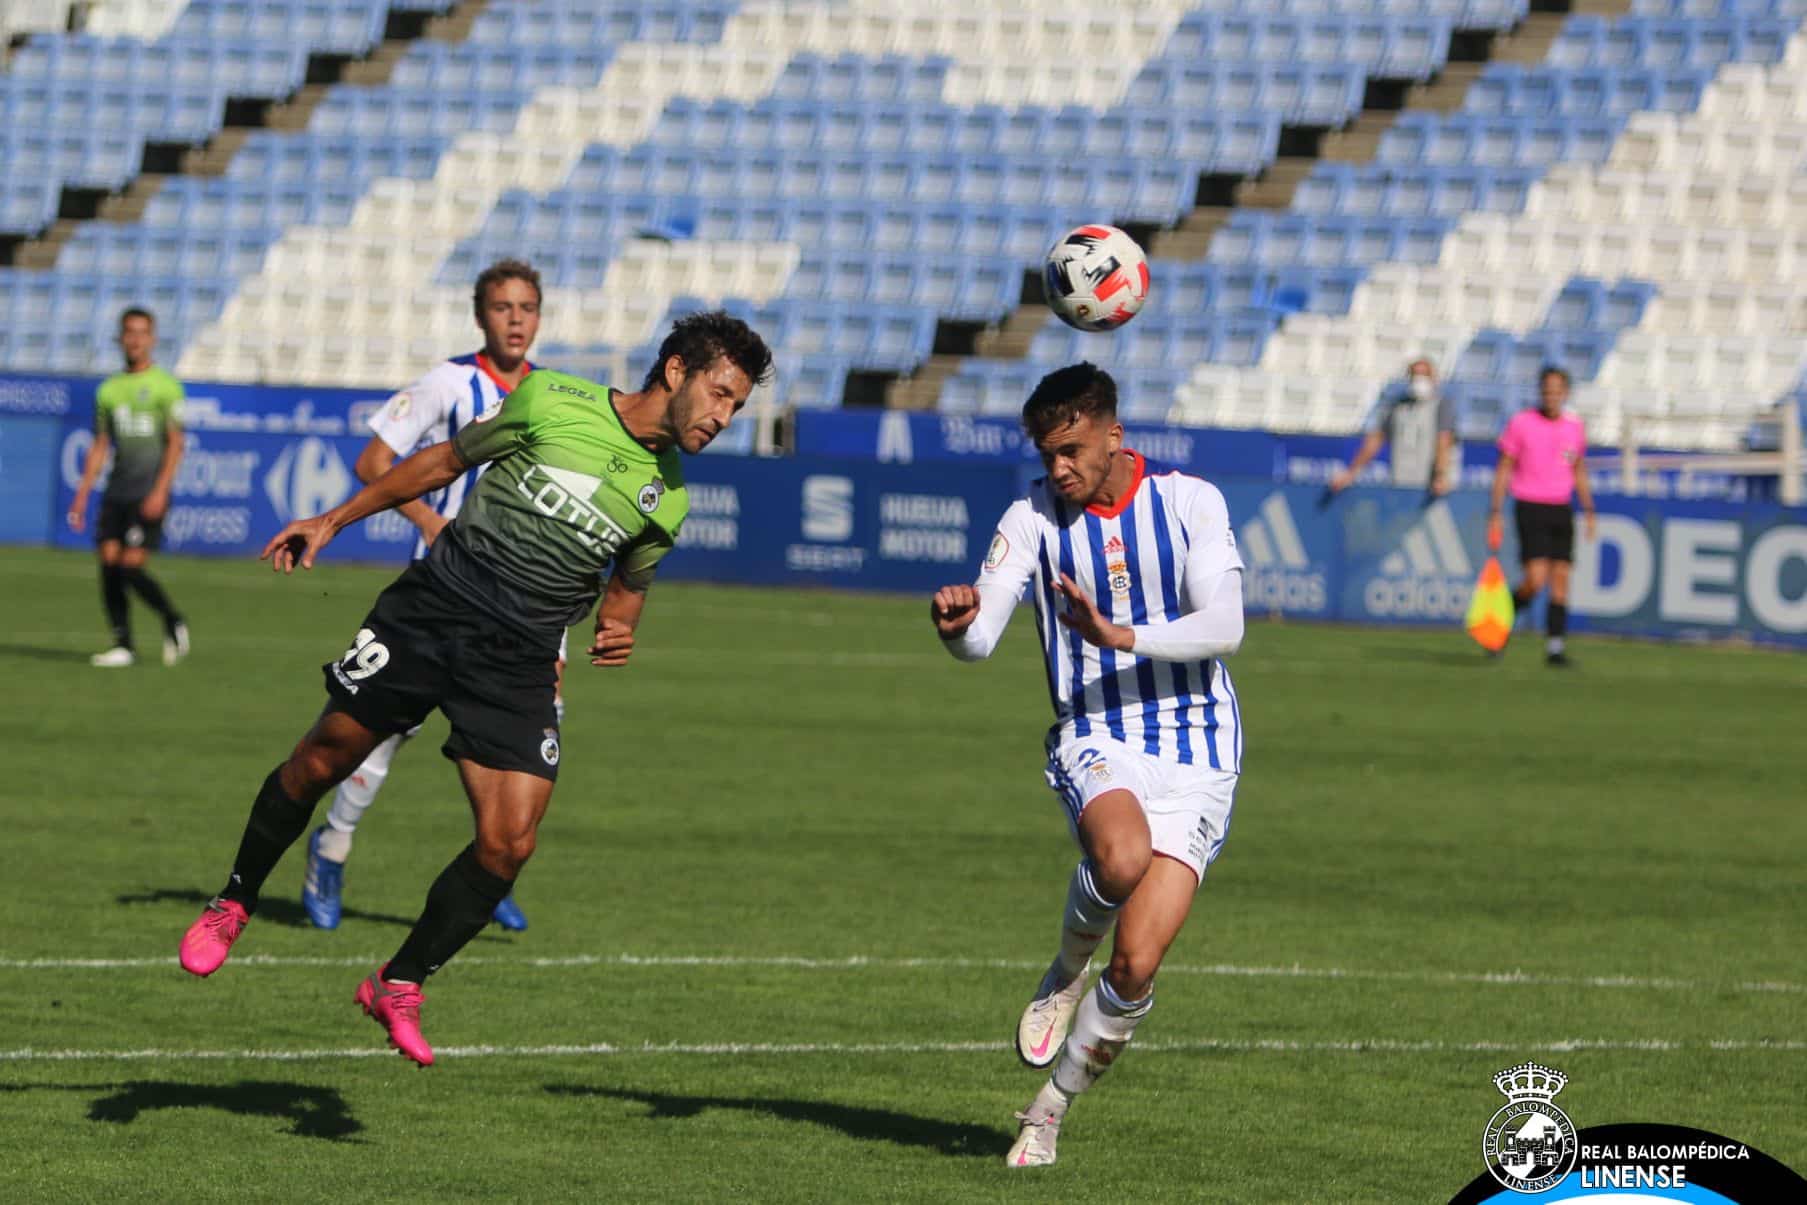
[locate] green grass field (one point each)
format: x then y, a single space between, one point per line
800 875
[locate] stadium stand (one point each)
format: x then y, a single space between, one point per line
1624 203
1650 254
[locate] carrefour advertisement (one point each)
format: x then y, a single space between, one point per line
234 490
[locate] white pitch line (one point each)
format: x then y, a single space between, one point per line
857 962
717 1049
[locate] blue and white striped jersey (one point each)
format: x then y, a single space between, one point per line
432 410
1153 558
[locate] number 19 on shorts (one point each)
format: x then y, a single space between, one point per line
365 657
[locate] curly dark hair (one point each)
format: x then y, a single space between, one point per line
697 339
1065 394
501 270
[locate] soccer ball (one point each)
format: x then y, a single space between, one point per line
1095 278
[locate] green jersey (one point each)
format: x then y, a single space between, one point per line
136 410
566 493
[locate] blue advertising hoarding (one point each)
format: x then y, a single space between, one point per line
915 510
905 437
235 489
1677 569
812 521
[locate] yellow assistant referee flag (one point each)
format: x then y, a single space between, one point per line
1490 611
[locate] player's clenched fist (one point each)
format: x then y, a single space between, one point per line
954 609
614 643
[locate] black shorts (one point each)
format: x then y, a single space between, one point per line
1545 531
423 647
119 520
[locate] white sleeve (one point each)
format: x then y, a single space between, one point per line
410 415
1213 625
1009 564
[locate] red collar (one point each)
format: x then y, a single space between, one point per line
489 371
1129 495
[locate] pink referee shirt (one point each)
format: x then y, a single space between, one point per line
1545 452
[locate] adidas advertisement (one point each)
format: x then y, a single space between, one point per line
1412 565
1284 576
1666 568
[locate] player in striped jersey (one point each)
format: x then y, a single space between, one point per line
431 411
1138 596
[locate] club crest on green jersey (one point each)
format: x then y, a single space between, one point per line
650 494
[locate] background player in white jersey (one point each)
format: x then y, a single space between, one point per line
1146 745
430 411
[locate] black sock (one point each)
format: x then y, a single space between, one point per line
112 595
459 904
153 594
274 824
1557 621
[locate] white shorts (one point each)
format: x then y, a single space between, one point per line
1188 807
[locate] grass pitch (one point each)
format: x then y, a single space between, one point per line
800 874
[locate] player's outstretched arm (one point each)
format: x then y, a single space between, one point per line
1212 625
301 541
378 458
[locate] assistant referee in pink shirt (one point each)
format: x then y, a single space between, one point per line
1543 458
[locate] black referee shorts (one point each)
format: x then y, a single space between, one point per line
1546 531
422 647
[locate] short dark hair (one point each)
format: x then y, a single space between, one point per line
697 339
1553 370
501 270
1065 394
137 311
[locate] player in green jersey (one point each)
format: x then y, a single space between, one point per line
137 416
582 482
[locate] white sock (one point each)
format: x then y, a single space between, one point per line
1086 922
333 845
1553 645
1050 1104
1101 1029
357 792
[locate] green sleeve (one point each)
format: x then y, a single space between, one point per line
498 432
172 402
100 409
636 563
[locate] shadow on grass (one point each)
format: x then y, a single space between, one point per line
868 1125
310 1112
272 908
34 652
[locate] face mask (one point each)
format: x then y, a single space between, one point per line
1422 389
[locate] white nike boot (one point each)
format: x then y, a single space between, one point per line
1044 1024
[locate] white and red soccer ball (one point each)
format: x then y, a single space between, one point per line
1095 278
